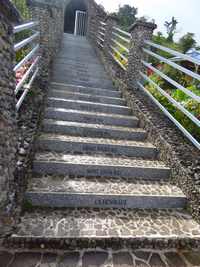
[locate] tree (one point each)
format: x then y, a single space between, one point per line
127 16
171 28
187 42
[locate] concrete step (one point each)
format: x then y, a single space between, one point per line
87 97
74 144
85 90
87 106
101 166
90 117
60 192
93 130
105 228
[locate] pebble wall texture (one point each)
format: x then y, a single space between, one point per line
95 15
180 155
51 20
8 130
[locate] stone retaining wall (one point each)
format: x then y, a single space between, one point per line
51 22
95 15
8 129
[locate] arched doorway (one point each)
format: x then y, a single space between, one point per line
70 14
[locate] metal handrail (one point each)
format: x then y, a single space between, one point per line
176 66
168 79
32 55
120 45
173 52
166 112
25 26
103 23
117 51
178 105
26 41
123 32
101 33
102 28
121 37
99 37
26 75
118 62
27 88
100 44
172 100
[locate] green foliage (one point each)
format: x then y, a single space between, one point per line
187 42
190 104
127 16
24 11
22 7
171 28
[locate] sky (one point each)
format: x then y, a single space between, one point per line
187 12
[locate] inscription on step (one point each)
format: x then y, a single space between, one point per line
113 201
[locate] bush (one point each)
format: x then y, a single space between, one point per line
22 7
190 104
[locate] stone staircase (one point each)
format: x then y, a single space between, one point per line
96 180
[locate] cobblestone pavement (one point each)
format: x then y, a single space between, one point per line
101 258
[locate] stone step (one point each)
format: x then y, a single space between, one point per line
93 130
90 117
74 144
85 90
87 97
60 192
81 72
86 83
105 228
85 165
87 106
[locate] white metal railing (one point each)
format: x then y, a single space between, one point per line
25 26
120 46
102 23
123 32
30 61
178 105
101 34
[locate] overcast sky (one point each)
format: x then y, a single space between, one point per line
187 12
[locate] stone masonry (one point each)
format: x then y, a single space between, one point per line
51 21
8 130
106 187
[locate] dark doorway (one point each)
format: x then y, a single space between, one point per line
70 14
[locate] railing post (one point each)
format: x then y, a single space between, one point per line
95 15
111 21
50 17
140 31
8 126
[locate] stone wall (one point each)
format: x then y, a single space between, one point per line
8 129
51 22
175 150
95 15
